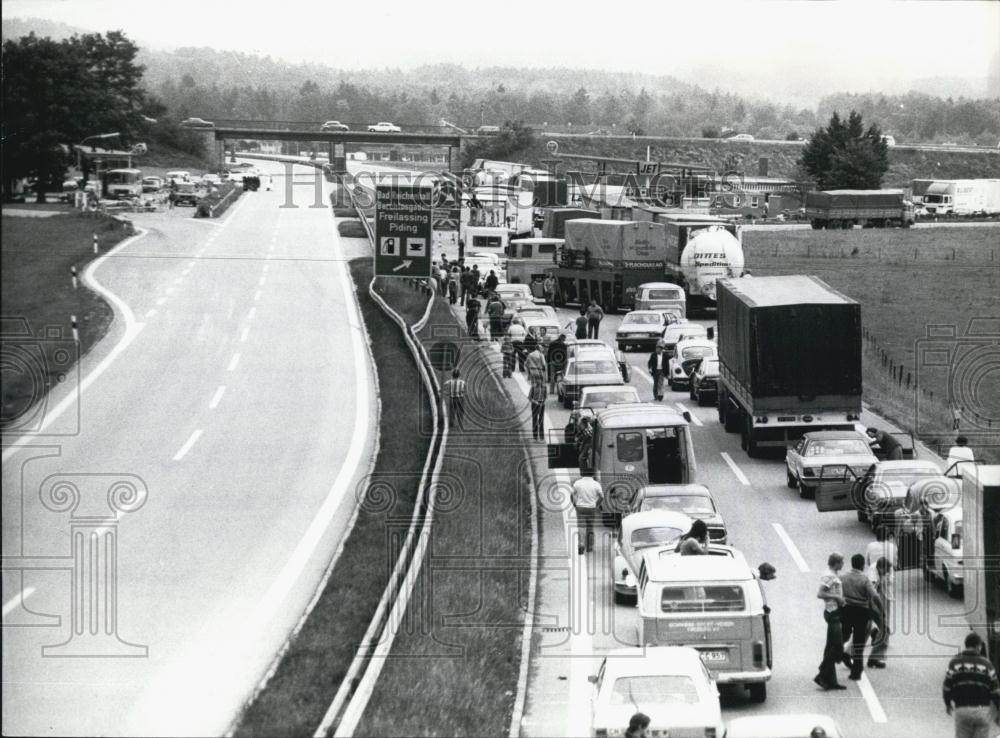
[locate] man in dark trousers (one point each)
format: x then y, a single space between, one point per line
659 364
594 317
454 393
557 360
832 593
465 282
971 688
491 281
861 605
581 324
494 309
472 307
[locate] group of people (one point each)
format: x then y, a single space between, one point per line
458 283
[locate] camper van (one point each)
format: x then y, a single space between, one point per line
527 259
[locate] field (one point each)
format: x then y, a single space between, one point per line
921 292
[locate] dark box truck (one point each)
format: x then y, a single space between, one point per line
790 359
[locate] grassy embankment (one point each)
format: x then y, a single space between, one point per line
908 281
37 256
453 670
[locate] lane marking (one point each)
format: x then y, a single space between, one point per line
244 334
261 281
171 290
266 267
233 362
161 301
642 374
188 444
871 700
217 397
256 297
17 599
191 263
178 280
792 548
736 470
253 312
151 312
694 418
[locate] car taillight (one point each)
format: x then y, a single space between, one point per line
758 653
624 573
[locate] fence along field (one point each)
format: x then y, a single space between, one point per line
909 283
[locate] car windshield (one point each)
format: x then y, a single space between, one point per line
658 689
906 477
698 352
657 536
663 295
643 319
596 367
675 333
532 311
837 447
609 398
689 504
707 598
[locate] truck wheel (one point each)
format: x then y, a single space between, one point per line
758 691
746 441
732 421
722 408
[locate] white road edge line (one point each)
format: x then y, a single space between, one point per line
217 397
233 362
244 334
256 296
871 700
642 374
694 418
253 312
17 599
736 470
150 313
793 550
188 444
161 301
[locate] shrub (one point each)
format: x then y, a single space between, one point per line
351 228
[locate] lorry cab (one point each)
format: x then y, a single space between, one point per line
714 604
664 297
634 445
527 259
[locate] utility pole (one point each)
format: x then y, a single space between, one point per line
482 113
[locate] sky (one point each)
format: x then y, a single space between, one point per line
853 44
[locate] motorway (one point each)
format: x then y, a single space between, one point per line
235 392
577 621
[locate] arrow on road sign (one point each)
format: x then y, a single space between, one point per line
405 264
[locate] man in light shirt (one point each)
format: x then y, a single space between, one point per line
587 495
831 591
960 457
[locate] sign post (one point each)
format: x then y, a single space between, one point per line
403 231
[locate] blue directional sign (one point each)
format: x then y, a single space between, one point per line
403 215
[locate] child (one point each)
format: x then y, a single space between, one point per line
507 351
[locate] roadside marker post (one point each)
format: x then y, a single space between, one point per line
76 332
96 249
72 270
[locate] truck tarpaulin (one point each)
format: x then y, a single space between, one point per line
616 244
854 199
554 225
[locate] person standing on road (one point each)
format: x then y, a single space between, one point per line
537 375
594 317
476 278
507 353
581 324
557 360
492 281
831 591
454 391
880 632
970 689
517 334
861 606
494 309
465 283
472 306
587 496
549 288
659 364
585 445
453 286
883 547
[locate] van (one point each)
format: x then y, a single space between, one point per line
664 297
527 260
714 604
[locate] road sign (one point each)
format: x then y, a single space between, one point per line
446 219
402 230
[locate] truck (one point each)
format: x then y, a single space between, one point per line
698 251
789 359
554 220
963 197
606 261
832 209
981 554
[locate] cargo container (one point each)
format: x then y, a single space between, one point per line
963 197
554 220
790 359
834 209
981 551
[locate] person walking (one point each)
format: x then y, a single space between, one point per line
884 546
910 536
880 625
472 307
454 391
492 281
507 353
960 458
594 317
537 376
861 606
517 334
581 324
695 541
585 445
494 309
549 288
464 282
831 591
970 689
586 498
659 365
453 286
557 360
476 278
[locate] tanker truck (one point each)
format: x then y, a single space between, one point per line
700 249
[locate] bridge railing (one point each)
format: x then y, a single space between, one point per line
310 126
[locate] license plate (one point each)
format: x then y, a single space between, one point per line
714 655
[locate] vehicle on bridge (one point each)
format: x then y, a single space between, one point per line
334 125
384 127
834 209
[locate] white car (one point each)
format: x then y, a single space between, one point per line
641 328
805 459
178 175
546 311
384 127
211 179
687 353
946 563
679 330
587 368
640 532
803 725
741 137
670 684
546 329
600 397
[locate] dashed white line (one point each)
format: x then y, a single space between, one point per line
261 281
694 418
871 700
161 301
178 280
171 290
191 263
217 397
253 312
17 599
188 444
151 312
256 296
790 545
642 374
736 470
266 267
233 362
244 334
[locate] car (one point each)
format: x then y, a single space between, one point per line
801 725
152 184
704 382
185 193
601 396
640 532
945 560
512 303
488 130
641 329
334 125
197 123
670 684
211 179
178 175
574 344
681 329
384 127
600 132
805 459
545 328
889 141
687 353
741 137
546 311
587 368
694 500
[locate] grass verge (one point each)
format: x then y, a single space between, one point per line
912 284
454 666
36 257
298 694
